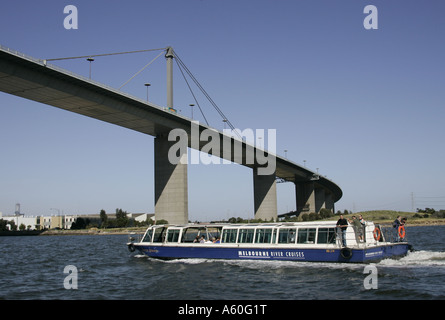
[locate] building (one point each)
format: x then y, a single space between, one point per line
30 222
62 221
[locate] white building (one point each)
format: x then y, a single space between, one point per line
61 221
30 222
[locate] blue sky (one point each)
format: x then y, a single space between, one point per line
366 107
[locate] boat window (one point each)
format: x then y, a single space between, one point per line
326 235
148 235
173 235
229 235
287 235
213 232
263 235
246 235
274 235
159 235
190 234
306 235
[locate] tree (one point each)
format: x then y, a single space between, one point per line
3 224
80 223
325 213
121 218
103 219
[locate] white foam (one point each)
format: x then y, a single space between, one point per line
418 258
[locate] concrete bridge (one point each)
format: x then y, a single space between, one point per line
36 80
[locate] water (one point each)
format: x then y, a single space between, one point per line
33 268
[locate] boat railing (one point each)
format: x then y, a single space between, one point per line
371 234
135 237
393 235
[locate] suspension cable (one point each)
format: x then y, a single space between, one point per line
105 54
141 70
181 66
191 91
206 94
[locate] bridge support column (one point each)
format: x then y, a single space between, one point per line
265 196
329 201
305 194
171 191
320 200
311 198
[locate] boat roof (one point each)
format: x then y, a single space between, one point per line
315 223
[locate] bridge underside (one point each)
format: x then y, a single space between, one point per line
33 79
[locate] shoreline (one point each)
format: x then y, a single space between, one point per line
141 230
94 231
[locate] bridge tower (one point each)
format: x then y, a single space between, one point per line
171 189
265 196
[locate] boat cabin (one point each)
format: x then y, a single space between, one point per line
302 233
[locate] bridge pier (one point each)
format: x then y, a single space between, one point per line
329 201
305 195
265 196
171 190
319 199
312 198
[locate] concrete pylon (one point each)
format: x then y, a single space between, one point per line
265 196
312 198
329 201
305 194
320 200
171 190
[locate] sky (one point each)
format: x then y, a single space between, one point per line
364 107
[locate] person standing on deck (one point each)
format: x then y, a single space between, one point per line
363 226
396 224
357 228
342 223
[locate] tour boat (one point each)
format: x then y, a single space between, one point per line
317 241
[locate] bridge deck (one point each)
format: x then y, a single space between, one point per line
36 80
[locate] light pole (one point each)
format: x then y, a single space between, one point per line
191 106
147 85
90 60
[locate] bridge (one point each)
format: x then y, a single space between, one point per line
36 80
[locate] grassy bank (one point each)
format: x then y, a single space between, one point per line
387 217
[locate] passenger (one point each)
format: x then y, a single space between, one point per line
342 223
357 228
196 239
396 224
363 226
217 241
292 237
202 240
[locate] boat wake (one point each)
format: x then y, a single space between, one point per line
422 258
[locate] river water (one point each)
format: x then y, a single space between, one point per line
38 267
